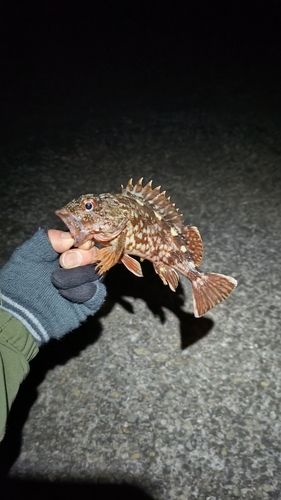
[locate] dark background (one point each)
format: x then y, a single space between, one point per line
56 50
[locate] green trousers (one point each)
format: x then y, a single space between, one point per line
17 348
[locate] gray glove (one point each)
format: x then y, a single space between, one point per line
76 285
48 300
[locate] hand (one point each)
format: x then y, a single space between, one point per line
29 294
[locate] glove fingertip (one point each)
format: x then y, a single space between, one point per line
97 300
71 278
79 294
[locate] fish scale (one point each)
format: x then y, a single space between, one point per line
142 222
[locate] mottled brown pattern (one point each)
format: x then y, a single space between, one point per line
141 221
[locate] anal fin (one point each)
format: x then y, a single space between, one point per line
168 275
132 265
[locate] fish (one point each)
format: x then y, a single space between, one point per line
142 222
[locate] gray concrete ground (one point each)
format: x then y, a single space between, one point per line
144 395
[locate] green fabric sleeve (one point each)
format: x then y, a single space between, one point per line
17 348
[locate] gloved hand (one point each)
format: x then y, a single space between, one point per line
76 285
28 292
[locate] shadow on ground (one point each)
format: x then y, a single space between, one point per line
121 285
31 490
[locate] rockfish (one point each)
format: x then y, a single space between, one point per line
141 221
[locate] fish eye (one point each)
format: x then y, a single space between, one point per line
88 205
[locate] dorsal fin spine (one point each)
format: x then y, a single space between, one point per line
157 199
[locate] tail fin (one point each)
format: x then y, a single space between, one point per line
210 289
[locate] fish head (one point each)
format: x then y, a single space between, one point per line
90 218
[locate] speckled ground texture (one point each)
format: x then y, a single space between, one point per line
143 394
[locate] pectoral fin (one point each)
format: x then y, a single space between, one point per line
106 259
108 256
132 265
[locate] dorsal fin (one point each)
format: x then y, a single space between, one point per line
157 200
195 244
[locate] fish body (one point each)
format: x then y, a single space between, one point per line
141 221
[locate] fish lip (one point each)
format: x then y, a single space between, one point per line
74 225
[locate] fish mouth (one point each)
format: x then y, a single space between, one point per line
75 226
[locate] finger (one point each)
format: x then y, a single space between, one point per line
87 245
78 257
60 240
